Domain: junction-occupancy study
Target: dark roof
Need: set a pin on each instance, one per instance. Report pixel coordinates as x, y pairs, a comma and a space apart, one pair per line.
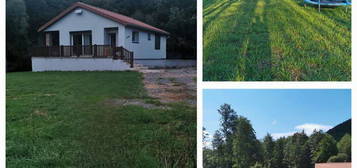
125, 20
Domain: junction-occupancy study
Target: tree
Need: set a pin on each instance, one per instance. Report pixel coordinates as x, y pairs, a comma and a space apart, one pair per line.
297, 152
246, 150
278, 154
344, 146
208, 158
204, 137
228, 119
314, 141
305, 160
341, 157
16, 35
327, 148
268, 145
218, 147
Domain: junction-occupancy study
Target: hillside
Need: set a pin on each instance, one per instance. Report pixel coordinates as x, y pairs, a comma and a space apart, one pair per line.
340, 130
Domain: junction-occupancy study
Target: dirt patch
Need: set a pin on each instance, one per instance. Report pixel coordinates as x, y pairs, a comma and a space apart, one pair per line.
134, 102
40, 113
171, 85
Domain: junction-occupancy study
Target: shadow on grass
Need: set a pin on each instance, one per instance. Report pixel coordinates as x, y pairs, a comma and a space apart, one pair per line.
218, 10
319, 47
244, 51
258, 66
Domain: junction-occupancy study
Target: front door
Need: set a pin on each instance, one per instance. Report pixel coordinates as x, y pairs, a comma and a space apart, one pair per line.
113, 39
77, 44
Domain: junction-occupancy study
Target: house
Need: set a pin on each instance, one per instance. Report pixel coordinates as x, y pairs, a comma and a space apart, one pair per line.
333, 165
84, 37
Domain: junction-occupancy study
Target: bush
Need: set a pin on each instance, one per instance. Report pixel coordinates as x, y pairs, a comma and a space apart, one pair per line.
341, 157
344, 146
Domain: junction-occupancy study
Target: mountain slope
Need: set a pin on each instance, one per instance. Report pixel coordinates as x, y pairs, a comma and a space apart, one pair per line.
340, 130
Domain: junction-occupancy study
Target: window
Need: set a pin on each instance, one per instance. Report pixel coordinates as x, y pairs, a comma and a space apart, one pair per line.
87, 38
149, 36
81, 42
157, 42
135, 37
52, 38
112, 39
111, 36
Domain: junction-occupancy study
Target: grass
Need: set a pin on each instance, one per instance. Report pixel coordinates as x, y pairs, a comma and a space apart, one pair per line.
275, 40
60, 119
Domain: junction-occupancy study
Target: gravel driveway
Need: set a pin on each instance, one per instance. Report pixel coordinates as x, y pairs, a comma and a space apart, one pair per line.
171, 85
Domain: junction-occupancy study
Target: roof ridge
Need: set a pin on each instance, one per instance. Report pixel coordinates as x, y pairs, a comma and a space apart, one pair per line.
123, 19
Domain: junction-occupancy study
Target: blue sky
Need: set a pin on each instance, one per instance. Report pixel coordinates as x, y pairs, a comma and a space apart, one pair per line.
280, 112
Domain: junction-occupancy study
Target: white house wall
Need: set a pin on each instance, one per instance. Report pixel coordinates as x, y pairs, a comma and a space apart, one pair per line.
83, 22
78, 64
145, 49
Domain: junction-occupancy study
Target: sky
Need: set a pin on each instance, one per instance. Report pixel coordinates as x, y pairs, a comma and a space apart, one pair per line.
280, 112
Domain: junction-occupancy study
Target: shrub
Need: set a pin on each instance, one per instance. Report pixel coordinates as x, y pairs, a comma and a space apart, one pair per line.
341, 157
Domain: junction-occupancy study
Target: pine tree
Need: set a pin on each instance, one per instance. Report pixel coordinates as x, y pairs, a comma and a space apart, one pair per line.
246, 150
297, 153
268, 145
313, 142
278, 154
218, 148
228, 117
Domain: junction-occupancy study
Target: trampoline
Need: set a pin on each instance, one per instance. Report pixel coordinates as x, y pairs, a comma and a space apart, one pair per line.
328, 3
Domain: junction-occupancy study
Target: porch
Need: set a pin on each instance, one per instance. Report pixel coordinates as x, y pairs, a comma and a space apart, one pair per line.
84, 51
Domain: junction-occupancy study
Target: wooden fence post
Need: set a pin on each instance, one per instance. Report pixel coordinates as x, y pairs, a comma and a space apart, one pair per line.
95, 50
70, 51
131, 59
61, 52
113, 52
121, 52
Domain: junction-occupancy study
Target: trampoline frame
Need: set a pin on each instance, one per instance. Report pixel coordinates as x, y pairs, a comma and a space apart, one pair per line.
328, 4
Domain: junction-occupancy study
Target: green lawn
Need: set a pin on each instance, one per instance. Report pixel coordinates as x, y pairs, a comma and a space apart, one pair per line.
263, 40
61, 119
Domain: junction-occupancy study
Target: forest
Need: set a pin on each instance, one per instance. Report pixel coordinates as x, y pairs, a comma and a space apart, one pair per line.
24, 17
235, 145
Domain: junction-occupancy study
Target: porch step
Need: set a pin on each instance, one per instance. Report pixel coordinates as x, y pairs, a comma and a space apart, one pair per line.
140, 67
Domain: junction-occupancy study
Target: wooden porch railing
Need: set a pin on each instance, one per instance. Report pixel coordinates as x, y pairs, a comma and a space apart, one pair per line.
88, 51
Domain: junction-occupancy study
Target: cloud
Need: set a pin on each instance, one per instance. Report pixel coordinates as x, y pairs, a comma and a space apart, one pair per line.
308, 128
274, 122
208, 142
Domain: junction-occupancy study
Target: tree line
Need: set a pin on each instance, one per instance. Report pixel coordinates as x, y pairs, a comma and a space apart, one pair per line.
24, 17
235, 145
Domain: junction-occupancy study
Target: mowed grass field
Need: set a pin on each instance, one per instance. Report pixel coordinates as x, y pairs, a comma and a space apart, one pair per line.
63, 119
280, 40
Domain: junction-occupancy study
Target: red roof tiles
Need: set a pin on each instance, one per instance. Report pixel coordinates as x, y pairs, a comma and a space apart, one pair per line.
333, 165
125, 20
